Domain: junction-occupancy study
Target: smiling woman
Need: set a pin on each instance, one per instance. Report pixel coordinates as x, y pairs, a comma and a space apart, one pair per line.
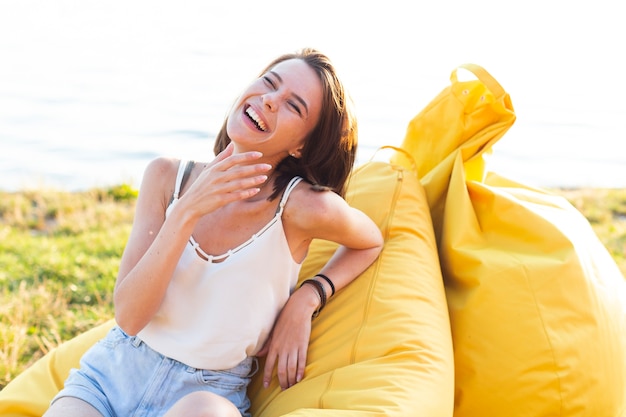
265, 197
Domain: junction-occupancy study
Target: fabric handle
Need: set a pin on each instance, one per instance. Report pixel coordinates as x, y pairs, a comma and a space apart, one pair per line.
483, 76
399, 150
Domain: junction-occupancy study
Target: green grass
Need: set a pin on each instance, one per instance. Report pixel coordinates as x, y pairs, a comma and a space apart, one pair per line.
59, 254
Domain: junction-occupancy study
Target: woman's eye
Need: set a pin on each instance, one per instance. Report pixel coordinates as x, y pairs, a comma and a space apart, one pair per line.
269, 82
295, 107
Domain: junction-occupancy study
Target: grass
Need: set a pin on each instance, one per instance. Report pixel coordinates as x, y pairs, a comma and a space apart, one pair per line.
605, 209
59, 254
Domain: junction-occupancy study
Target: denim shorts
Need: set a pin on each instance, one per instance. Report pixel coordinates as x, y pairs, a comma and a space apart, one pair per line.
122, 376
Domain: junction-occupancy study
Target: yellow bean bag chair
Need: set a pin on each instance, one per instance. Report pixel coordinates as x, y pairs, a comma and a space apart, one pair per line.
537, 305
381, 347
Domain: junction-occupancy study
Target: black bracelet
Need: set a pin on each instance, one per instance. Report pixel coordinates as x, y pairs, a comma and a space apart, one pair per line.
325, 278
319, 287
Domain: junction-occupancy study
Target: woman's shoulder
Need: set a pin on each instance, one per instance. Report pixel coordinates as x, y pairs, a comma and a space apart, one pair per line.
310, 205
160, 176
162, 165
164, 168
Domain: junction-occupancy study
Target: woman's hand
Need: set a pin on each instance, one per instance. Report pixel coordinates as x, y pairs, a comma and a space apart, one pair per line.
228, 178
287, 346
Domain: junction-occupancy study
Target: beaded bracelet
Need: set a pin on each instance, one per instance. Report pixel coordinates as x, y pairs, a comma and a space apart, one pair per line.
325, 278
319, 287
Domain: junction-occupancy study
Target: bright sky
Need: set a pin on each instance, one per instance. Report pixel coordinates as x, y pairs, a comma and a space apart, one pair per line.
561, 61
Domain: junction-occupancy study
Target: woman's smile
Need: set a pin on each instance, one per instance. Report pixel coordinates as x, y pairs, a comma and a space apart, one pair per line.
256, 119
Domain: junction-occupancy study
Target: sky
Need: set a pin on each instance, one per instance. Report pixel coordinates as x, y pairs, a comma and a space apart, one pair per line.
559, 60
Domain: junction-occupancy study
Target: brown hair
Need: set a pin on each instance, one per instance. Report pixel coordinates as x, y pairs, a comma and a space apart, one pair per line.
329, 150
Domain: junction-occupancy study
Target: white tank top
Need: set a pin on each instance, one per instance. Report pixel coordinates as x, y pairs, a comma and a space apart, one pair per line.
215, 314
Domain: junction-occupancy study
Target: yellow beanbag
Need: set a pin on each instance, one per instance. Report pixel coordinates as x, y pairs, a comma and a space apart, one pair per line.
382, 346
537, 305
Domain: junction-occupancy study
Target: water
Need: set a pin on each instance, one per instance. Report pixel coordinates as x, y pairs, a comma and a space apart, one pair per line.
91, 91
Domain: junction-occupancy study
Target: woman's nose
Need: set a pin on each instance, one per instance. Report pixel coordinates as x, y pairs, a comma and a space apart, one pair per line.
270, 101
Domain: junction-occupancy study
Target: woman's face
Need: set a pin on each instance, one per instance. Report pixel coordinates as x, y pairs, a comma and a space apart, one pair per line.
277, 111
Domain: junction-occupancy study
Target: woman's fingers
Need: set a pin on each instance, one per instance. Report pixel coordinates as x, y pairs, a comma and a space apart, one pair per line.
247, 175
228, 151
226, 159
285, 370
270, 361
290, 365
230, 177
238, 166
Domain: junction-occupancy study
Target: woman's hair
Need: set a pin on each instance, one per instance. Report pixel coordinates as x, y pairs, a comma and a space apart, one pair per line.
329, 150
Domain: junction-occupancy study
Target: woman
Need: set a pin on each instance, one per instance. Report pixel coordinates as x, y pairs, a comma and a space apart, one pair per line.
207, 280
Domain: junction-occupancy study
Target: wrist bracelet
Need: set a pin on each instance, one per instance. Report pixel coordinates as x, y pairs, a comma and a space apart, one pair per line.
319, 287
325, 278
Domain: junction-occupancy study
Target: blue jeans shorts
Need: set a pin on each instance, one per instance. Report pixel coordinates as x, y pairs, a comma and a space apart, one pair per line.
122, 376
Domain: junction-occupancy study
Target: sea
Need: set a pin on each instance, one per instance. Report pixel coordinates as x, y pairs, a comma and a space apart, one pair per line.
91, 91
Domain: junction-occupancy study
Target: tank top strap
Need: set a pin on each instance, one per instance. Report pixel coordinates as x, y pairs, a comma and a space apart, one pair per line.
184, 169
283, 200
179, 178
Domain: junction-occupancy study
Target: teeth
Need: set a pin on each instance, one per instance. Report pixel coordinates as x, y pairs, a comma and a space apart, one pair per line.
255, 117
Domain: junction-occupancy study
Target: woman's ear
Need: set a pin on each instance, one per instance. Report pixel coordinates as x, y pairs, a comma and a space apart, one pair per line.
296, 154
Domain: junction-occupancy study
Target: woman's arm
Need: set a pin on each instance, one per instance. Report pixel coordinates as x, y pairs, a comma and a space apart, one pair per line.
320, 216
156, 243
152, 250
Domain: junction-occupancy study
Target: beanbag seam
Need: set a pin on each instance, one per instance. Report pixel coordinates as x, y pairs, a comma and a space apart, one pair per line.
374, 281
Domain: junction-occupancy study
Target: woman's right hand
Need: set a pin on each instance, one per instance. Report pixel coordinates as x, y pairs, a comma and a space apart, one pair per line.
228, 178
